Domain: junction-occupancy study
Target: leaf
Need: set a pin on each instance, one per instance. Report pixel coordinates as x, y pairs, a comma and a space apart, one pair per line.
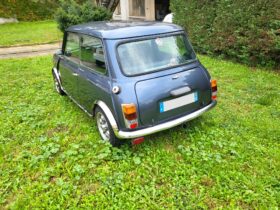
137, 160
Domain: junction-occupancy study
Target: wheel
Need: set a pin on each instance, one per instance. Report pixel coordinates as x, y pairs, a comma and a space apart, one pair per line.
105, 130
57, 85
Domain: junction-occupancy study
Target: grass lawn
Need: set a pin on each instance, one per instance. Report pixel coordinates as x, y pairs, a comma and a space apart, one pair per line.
27, 33
51, 155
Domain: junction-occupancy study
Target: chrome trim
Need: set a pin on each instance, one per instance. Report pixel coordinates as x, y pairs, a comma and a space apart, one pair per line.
81, 107
175, 77
109, 115
57, 75
180, 91
116, 89
147, 131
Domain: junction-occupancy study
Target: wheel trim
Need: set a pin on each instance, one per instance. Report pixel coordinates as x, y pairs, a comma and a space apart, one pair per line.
103, 126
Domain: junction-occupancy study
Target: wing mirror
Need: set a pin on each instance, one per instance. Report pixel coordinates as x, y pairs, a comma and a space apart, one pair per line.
68, 53
59, 52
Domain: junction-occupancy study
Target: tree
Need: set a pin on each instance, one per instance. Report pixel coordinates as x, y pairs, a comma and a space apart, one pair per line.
109, 4
71, 13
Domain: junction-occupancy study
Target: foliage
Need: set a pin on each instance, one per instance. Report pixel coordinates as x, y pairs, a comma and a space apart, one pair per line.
28, 10
109, 4
245, 30
72, 13
51, 156
26, 33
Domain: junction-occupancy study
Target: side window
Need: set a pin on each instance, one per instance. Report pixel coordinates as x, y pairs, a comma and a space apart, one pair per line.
72, 49
92, 54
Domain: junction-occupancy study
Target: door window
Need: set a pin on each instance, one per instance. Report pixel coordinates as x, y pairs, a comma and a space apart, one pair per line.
92, 54
72, 49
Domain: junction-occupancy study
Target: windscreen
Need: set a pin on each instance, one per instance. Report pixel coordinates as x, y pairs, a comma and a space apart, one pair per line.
144, 56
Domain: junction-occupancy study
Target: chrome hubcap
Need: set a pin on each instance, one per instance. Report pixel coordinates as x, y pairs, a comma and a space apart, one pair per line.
103, 126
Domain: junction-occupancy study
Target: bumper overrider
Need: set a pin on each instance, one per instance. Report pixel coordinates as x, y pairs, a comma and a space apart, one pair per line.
163, 126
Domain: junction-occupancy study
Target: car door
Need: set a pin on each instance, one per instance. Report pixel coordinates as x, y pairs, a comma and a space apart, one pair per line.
93, 80
69, 65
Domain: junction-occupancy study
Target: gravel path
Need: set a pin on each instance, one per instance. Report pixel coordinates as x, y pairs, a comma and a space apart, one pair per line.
28, 51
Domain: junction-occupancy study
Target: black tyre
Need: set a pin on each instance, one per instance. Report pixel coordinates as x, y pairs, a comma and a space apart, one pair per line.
57, 85
104, 128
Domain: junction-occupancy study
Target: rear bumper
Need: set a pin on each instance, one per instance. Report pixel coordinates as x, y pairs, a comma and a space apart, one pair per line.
147, 131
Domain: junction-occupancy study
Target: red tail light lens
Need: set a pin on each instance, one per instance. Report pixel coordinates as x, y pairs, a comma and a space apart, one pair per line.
133, 125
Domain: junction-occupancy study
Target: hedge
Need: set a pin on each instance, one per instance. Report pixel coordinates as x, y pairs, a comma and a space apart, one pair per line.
245, 30
28, 10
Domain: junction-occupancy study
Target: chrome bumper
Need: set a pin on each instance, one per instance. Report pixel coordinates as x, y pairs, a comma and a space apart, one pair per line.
146, 131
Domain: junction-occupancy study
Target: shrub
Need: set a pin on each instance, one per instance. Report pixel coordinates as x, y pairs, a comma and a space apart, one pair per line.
245, 30
72, 13
28, 10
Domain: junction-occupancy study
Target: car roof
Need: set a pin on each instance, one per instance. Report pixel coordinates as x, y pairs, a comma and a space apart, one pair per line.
124, 29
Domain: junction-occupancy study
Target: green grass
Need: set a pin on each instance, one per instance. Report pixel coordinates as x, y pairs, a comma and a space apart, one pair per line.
51, 155
27, 33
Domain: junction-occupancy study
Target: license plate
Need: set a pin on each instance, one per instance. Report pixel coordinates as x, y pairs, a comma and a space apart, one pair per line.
178, 102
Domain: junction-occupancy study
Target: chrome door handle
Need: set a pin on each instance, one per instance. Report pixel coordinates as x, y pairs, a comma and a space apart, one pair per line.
75, 74
180, 91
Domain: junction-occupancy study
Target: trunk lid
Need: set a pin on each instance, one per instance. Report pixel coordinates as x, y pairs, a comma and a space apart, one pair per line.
170, 96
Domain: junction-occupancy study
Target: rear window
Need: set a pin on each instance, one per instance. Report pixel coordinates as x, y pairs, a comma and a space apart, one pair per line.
144, 56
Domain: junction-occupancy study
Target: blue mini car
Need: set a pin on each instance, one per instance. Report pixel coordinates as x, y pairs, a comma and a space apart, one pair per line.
136, 78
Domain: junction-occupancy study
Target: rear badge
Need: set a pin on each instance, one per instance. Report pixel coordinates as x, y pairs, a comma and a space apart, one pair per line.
178, 102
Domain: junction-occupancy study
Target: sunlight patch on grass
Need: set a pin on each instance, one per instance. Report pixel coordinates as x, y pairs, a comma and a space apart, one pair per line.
29, 33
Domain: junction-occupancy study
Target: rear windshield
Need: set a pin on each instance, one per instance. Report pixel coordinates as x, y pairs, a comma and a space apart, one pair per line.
144, 56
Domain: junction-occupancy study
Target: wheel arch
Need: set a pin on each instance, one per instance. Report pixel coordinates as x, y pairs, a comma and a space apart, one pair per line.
102, 105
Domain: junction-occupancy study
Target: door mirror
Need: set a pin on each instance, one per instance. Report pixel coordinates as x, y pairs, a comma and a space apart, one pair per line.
68, 53
58, 52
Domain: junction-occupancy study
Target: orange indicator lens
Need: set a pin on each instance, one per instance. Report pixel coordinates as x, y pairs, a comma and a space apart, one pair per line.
128, 109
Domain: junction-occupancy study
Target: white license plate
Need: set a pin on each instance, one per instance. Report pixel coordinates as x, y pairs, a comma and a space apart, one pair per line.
178, 102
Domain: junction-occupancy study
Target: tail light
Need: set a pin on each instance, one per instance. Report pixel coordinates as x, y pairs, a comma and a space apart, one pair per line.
214, 89
130, 115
